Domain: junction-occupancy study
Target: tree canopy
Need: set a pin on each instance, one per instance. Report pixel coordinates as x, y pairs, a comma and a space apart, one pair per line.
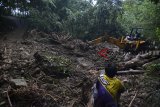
140, 13
84, 19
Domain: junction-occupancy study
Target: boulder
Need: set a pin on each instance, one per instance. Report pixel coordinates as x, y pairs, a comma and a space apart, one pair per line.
19, 82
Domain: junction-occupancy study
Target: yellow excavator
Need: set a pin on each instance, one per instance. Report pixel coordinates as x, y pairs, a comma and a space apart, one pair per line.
131, 42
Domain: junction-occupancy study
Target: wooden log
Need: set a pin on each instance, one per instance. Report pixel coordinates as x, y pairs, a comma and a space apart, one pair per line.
129, 72
136, 62
130, 104
145, 56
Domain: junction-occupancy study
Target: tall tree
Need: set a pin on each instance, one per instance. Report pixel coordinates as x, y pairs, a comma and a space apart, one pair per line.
140, 13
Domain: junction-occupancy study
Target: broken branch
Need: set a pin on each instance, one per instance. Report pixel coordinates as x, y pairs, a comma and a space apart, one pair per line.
9, 100
133, 99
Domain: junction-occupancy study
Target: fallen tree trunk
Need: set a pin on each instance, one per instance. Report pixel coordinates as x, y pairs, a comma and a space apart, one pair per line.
136, 62
129, 72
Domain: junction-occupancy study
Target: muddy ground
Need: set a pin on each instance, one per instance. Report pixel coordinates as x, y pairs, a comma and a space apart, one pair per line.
45, 85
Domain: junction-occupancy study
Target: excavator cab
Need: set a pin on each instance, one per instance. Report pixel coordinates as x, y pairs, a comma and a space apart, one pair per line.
136, 33
133, 41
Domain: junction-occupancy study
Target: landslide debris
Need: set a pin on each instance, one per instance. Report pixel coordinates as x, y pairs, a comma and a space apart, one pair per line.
56, 70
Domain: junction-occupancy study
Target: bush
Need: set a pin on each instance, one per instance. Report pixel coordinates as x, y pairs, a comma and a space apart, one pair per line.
153, 70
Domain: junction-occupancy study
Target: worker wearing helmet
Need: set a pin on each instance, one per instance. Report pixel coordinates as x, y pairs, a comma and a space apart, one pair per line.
108, 88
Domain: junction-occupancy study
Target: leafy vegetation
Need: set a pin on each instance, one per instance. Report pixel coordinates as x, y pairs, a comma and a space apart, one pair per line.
136, 14
78, 17
153, 69
85, 19
54, 65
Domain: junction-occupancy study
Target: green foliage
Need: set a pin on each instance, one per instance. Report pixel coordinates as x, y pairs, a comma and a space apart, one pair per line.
78, 17
6, 6
45, 20
60, 60
87, 21
42, 17
153, 69
158, 33
83, 19
155, 1
55, 65
140, 13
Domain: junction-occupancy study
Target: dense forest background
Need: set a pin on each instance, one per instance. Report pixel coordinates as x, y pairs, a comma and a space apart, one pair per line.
86, 19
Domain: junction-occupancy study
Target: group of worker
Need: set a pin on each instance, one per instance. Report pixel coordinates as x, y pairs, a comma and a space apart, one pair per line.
107, 88
136, 36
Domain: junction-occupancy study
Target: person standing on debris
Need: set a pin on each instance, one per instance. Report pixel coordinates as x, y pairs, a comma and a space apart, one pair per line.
108, 88
137, 36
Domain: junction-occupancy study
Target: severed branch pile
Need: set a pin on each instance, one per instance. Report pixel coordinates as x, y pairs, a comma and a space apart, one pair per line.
137, 62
